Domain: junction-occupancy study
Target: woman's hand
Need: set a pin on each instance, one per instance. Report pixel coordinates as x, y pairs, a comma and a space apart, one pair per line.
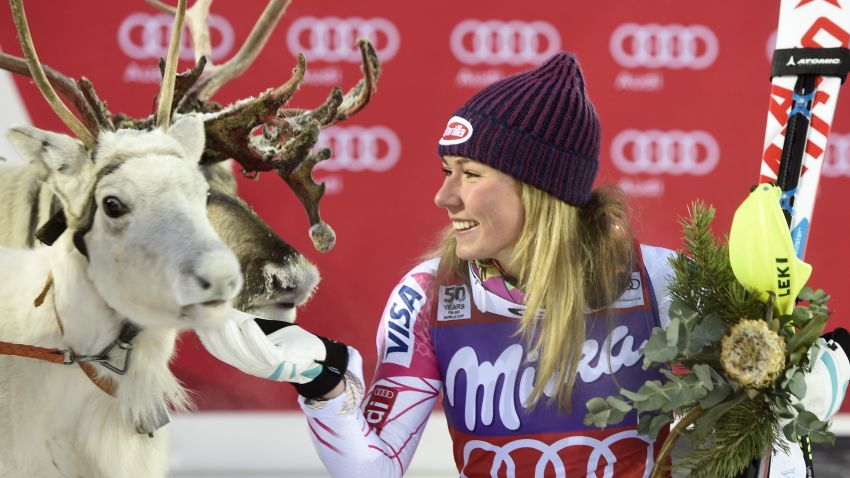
315, 365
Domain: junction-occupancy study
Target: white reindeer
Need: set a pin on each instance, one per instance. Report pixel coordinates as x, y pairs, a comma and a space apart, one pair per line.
153, 261
138, 261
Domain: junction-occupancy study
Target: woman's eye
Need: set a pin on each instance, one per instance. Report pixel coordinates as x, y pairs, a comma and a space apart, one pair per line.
113, 207
447, 172
471, 174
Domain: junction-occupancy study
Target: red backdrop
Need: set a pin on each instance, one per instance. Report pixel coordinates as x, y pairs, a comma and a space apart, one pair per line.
681, 88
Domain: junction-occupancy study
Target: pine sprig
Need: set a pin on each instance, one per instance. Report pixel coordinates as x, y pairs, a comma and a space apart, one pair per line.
704, 277
710, 457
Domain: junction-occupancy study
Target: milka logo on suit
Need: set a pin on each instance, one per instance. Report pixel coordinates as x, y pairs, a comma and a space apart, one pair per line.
400, 321
596, 360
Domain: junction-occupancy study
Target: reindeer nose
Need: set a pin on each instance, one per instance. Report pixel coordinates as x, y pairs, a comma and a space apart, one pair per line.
217, 273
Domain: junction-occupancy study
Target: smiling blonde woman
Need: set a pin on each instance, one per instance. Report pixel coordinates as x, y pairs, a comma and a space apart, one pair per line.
537, 299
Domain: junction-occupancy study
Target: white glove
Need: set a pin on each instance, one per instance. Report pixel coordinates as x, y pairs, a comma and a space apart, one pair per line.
289, 354
827, 382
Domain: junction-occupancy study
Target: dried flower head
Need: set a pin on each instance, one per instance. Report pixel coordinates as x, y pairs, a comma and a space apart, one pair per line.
752, 354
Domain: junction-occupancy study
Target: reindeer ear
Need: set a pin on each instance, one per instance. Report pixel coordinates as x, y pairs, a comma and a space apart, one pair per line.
189, 132
49, 152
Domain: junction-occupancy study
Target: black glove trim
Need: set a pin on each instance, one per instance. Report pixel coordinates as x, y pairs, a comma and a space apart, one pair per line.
841, 337
333, 370
268, 326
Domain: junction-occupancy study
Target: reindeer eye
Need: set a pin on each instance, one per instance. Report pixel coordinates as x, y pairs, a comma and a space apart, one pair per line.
114, 207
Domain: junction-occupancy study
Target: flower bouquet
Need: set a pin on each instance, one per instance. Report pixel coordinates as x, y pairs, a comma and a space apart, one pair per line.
741, 353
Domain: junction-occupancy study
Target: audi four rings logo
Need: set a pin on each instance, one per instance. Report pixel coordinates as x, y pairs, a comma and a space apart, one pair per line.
664, 46
672, 152
335, 39
836, 162
496, 42
142, 36
383, 392
359, 148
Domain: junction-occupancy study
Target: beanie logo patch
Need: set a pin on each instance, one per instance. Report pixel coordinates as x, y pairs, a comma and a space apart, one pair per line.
458, 130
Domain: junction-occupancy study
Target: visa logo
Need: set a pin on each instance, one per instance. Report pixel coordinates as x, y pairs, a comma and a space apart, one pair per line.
400, 319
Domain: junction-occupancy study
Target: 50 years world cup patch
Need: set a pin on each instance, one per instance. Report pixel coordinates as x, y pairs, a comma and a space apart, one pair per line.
453, 303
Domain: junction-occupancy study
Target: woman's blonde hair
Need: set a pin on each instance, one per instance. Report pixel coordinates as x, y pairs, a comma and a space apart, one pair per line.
570, 260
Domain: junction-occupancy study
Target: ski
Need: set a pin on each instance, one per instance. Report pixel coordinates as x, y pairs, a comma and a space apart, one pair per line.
809, 65
808, 68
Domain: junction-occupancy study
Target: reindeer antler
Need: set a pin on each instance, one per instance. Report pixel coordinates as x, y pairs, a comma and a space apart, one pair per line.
166, 90
67, 87
41, 81
262, 135
259, 133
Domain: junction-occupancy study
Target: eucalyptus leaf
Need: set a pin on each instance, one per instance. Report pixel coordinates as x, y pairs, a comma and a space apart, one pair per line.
812, 353
657, 349
672, 333
806, 336
801, 316
680, 311
797, 385
633, 396
806, 293
808, 422
719, 393
599, 413
618, 404
615, 416
790, 431
805, 423
657, 423
707, 420
782, 403
597, 404
679, 396
711, 327
656, 397
656, 387
703, 373
796, 356
820, 297
819, 436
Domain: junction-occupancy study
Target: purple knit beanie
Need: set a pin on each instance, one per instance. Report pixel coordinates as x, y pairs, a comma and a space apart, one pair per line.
538, 126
